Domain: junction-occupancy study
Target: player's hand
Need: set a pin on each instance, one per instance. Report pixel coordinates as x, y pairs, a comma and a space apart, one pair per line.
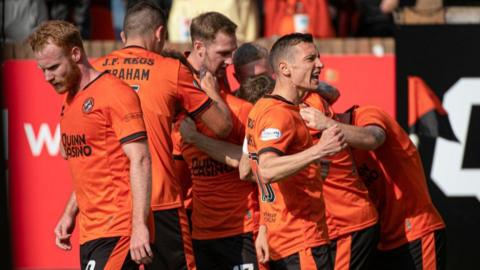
315, 119
261, 245
140, 249
332, 141
188, 130
208, 82
63, 231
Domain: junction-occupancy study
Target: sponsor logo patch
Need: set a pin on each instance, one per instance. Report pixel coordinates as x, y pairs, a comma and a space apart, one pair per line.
269, 134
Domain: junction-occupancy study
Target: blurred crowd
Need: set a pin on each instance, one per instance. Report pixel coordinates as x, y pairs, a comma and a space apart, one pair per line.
102, 19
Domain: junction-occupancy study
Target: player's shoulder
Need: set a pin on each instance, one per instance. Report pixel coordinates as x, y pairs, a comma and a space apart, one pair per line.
271, 109
315, 100
236, 103
314, 97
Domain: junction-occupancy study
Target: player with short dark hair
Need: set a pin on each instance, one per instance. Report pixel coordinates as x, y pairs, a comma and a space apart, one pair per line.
285, 161
104, 141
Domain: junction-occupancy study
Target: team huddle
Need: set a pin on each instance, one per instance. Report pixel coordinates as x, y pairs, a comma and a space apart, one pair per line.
183, 172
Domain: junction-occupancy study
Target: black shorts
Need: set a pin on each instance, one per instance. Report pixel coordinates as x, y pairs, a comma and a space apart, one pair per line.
311, 258
355, 250
428, 252
172, 248
109, 253
229, 253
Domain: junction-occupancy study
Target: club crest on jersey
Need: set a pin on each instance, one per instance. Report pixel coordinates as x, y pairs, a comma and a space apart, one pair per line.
88, 105
269, 134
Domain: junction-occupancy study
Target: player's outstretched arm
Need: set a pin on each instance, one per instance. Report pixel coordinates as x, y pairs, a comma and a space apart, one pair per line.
221, 151
217, 117
273, 168
65, 226
366, 138
141, 186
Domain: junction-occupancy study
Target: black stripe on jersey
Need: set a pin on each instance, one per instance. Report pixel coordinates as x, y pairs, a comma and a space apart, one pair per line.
271, 149
178, 157
134, 137
204, 106
277, 97
94, 80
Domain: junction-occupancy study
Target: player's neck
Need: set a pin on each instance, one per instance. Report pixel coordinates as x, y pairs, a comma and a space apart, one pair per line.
89, 74
138, 42
195, 60
287, 91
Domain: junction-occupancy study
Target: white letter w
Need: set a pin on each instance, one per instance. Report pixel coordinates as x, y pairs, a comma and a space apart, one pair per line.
44, 137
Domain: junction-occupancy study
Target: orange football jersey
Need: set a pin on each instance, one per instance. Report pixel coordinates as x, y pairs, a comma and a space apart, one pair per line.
222, 204
94, 125
165, 88
292, 209
396, 180
347, 203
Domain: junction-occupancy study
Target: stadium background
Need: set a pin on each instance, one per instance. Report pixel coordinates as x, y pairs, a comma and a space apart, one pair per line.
366, 70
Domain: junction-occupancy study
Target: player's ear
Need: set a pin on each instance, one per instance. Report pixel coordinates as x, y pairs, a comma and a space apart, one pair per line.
199, 46
284, 69
123, 37
159, 33
76, 54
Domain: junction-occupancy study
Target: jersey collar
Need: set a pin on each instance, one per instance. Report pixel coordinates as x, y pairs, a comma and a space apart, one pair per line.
277, 97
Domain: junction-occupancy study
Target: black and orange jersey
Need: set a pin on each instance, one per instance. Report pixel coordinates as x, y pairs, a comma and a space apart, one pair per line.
165, 87
396, 180
94, 125
347, 203
222, 204
292, 209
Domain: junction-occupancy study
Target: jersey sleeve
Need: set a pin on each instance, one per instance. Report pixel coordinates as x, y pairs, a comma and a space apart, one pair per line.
367, 116
191, 97
126, 115
274, 132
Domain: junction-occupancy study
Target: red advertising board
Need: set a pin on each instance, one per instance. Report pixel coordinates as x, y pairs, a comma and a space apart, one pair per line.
40, 181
